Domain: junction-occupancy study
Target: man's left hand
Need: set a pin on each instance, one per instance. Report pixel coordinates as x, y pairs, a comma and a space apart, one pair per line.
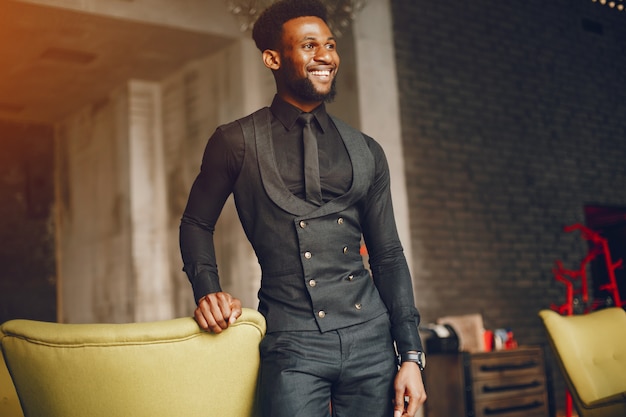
408, 383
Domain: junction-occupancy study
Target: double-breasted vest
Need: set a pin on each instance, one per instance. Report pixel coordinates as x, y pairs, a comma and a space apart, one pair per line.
313, 277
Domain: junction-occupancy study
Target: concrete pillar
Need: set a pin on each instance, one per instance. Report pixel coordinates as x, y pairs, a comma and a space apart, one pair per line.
112, 210
148, 205
379, 102
379, 105
92, 213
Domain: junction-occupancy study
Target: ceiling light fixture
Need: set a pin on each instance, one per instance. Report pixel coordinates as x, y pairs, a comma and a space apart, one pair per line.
613, 4
341, 13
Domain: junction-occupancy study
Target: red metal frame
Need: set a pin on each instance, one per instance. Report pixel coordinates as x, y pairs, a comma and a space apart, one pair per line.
599, 247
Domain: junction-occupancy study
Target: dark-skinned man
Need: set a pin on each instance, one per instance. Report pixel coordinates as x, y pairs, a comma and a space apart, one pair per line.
335, 332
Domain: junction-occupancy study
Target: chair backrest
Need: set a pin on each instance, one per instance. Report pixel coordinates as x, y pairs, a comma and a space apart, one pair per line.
591, 352
167, 368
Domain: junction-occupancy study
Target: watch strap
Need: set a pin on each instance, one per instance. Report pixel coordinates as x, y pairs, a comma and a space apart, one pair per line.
417, 357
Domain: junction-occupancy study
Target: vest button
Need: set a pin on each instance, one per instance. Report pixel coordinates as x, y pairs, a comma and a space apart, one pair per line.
307, 255
358, 306
350, 277
321, 314
340, 220
345, 249
312, 283
302, 224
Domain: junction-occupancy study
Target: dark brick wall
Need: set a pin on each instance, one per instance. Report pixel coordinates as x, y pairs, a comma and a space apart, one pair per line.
27, 243
513, 120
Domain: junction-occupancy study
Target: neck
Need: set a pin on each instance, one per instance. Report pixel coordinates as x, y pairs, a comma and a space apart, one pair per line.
305, 106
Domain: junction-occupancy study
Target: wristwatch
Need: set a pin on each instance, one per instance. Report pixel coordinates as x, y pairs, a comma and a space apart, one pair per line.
418, 357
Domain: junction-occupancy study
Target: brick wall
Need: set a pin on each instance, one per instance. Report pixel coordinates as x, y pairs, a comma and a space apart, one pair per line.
512, 118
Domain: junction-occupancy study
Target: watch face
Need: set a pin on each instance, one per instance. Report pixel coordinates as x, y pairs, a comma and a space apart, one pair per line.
421, 360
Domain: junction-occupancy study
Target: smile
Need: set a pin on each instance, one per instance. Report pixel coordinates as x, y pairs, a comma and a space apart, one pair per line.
320, 73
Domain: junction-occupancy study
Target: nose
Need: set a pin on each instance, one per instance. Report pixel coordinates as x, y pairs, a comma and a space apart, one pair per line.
323, 55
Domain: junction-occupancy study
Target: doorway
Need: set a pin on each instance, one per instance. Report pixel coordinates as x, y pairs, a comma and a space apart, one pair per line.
27, 237
610, 223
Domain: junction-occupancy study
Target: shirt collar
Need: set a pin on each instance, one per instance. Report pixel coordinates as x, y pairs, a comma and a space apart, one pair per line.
288, 114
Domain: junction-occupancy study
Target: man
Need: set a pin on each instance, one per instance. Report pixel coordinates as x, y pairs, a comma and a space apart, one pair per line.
331, 326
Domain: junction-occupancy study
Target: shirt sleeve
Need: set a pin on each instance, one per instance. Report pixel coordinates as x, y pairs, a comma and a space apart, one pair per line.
221, 164
387, 261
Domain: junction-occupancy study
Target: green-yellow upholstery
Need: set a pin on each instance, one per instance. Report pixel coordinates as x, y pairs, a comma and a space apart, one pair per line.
9, 403
167, 368
590, 350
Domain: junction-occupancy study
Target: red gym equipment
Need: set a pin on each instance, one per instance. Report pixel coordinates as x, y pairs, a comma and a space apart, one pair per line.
598, 246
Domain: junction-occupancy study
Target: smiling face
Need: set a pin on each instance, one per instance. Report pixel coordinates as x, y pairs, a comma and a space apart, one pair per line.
306, 64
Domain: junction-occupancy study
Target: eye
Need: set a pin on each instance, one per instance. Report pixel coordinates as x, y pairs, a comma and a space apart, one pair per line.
308, 46
331, 46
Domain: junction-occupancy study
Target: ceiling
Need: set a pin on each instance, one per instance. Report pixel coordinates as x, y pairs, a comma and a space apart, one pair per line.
54, 61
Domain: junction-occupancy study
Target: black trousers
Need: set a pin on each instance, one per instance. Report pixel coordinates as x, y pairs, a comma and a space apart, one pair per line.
344, 373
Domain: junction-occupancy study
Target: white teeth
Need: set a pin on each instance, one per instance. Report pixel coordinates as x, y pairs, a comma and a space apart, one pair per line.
325, 73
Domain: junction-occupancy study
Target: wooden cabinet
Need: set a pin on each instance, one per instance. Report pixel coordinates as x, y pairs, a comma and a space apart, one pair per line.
508, 383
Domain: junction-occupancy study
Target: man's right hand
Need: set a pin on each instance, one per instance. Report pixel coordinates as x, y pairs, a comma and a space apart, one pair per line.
217, 311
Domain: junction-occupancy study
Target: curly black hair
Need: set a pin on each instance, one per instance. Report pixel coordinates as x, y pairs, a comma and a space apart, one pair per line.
268, 29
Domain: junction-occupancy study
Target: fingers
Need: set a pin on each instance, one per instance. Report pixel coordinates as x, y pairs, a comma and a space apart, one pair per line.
415, 402
402, 409
398, 408
197, 314
216, 311
235, 310
208, 318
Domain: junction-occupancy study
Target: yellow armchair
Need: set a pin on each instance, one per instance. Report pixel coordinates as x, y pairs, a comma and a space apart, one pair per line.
590, 350
167, 368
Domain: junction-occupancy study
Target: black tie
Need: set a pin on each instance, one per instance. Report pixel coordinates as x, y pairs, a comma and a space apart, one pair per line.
311, 161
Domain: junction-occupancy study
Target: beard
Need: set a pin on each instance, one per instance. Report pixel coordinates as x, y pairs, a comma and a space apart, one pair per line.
304, 88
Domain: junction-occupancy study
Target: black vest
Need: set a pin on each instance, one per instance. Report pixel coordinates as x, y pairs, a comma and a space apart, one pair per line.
313, 277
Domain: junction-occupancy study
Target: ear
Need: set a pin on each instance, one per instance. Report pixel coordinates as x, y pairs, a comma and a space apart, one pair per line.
271, 59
